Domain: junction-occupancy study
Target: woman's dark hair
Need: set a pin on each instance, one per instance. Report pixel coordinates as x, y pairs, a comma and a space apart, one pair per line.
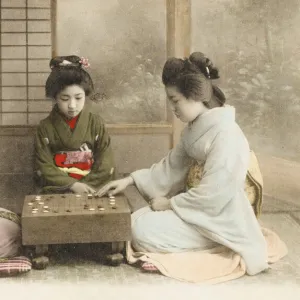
66, 71
192, 77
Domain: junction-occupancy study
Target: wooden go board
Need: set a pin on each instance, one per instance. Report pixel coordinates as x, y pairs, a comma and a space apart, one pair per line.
70, 218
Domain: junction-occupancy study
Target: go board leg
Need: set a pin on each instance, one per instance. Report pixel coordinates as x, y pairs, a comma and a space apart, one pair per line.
117, 247
116, 257
41, 250
40, 261
29, 251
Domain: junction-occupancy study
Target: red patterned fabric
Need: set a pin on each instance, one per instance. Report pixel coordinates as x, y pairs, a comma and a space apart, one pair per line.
72, 122
82, 160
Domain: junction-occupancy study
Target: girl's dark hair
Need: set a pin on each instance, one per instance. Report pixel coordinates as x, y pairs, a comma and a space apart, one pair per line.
192, 77
66, 71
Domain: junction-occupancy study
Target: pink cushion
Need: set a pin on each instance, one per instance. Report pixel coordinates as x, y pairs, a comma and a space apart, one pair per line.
14, 266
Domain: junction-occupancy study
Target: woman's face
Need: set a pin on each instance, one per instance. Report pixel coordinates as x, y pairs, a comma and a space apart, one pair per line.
71, 101
187, 110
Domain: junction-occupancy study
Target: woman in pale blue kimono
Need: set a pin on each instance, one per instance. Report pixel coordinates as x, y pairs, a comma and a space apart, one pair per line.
217, 211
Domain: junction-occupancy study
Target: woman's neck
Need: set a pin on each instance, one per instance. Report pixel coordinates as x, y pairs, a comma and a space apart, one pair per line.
212, 103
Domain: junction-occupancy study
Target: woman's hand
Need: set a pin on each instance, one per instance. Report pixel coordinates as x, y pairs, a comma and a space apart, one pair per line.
81, 188
160, 204
115, 186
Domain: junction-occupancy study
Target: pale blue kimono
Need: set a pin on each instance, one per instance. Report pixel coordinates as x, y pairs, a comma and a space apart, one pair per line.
215, 212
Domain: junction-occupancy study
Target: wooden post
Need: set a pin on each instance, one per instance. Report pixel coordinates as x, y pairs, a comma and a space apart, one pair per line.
53, 27
178, 44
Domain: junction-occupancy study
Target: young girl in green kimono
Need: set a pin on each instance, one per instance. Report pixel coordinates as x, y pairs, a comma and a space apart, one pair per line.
216, 211
72, 147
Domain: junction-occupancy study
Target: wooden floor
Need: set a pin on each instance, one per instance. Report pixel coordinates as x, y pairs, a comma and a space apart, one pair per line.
73, 272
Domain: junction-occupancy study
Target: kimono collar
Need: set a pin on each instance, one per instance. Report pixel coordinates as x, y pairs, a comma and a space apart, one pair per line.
219, 116
72, 122
68, 137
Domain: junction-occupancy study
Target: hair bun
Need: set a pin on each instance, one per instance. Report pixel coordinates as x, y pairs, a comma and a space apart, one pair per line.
65, 61
172, 68
205, 65
220, 96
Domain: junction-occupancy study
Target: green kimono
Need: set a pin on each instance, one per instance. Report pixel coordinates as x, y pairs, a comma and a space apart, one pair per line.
54, 136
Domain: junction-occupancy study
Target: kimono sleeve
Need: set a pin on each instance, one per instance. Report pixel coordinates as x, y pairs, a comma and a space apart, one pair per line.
45, 166
224, 174
103, 169
165, 177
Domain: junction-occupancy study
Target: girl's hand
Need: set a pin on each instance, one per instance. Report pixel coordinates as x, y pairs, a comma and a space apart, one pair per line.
160, 204
81, 188
115, 186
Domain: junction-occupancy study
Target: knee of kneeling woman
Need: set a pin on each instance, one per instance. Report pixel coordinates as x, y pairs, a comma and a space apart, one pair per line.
10, 238
137, 232
140, 240
141, 232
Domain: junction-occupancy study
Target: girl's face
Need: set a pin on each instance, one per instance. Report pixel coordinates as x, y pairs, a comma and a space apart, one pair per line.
187, 110
71, 101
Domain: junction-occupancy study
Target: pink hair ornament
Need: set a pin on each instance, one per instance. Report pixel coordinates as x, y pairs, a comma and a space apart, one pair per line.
84, 62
